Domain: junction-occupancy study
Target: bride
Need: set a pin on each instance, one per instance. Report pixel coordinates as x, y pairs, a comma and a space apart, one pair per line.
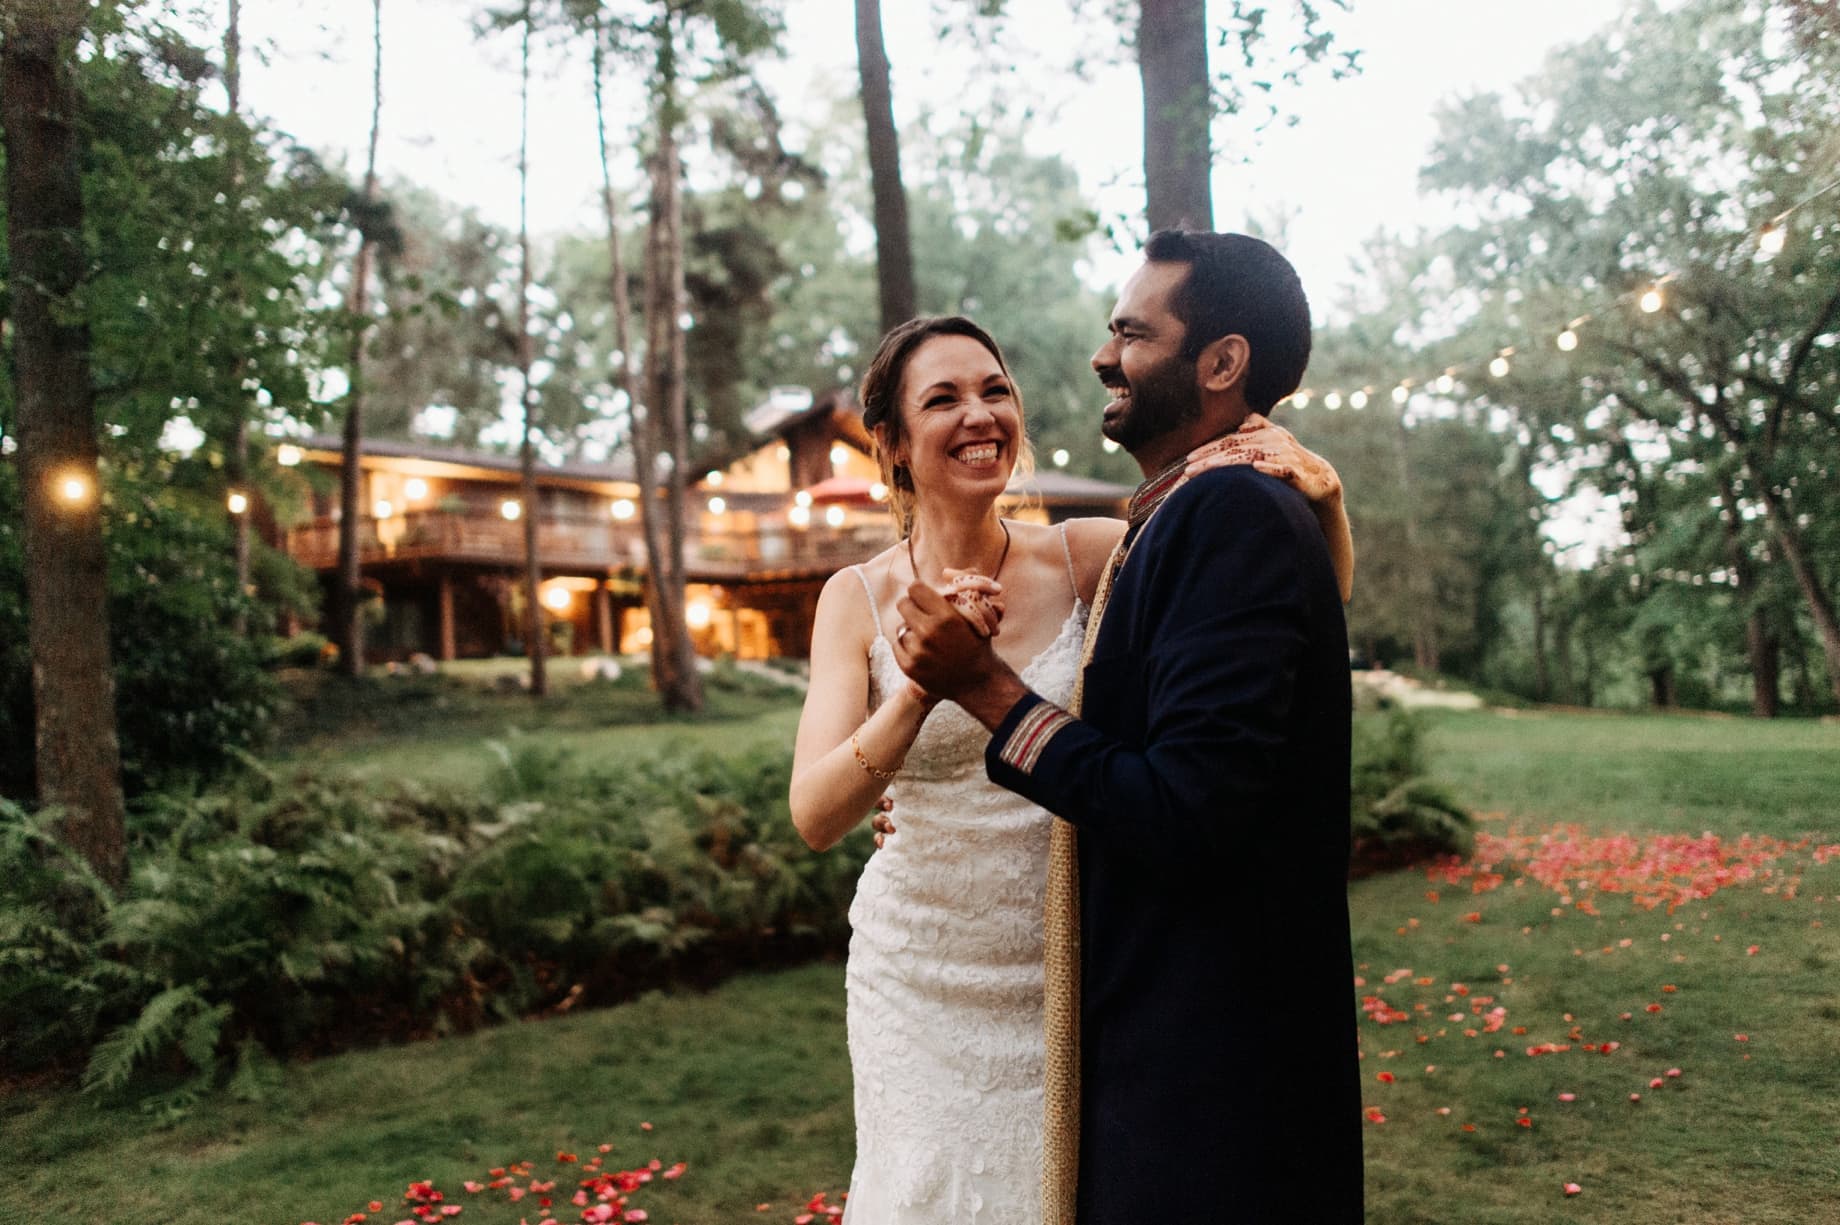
944, 980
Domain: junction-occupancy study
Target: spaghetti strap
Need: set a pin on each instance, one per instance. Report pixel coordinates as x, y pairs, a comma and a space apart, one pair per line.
1067, 552
875, 613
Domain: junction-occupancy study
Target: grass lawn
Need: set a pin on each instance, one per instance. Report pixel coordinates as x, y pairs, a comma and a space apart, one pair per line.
441, 729
1543, 944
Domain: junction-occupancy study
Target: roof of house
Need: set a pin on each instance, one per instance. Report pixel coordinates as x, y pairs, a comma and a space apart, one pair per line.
617, 469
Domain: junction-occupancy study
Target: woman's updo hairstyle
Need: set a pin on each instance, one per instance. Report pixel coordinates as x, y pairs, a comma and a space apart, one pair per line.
880, 394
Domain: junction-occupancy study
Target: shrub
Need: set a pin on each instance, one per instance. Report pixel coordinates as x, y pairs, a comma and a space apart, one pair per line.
1397, 814
286, 916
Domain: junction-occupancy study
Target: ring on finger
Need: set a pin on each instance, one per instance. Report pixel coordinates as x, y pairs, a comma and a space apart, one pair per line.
901, 633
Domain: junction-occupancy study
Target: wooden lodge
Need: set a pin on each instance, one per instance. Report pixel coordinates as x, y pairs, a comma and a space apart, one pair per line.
443, 543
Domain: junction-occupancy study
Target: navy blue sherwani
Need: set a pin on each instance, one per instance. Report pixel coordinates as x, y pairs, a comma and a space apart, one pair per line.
1208, 782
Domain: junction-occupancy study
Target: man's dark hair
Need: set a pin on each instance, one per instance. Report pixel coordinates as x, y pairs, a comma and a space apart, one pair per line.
1238, 285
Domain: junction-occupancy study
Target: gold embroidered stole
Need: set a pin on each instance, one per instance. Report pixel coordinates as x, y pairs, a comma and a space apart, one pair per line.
1060, 1154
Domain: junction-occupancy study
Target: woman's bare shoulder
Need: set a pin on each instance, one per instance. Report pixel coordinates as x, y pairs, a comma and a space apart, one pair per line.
1091, 542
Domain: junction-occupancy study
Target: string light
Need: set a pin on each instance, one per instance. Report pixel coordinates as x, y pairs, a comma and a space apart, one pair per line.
556, 599
415, 489
288, 455
75, 488
510, 509
238, 502
718, 506
1061, 457
799, 517
1770, 238
622, 509
803, 498
834, 516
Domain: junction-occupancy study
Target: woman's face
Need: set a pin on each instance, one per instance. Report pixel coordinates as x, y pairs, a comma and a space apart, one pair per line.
961, 424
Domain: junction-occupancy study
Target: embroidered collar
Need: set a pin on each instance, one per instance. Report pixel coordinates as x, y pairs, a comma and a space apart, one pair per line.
1151, 494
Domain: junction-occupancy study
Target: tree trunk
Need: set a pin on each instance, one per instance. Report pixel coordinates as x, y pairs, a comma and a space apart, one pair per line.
1820, 605
894, 255
1542, 674
350, 611
1760, 644
673, 657
77, 755
1172, 58
536, 636
236, 460
644, 448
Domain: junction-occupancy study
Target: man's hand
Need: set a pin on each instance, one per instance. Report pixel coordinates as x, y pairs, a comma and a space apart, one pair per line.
942, 651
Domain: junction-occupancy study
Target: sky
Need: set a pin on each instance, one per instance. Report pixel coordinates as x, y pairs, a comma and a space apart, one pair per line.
1348, 167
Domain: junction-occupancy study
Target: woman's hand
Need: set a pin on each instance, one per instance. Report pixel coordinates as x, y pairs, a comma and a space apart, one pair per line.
1275, 451
881, 822
978, 600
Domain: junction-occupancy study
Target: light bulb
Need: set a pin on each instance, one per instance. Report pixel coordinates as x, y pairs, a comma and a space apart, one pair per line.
1568, 340
718, 506
1401, 394
834, 516
799, 516
1301, 399
1061, 456
1651, 301
1499, 367
1358, 400
623, 509
1332, 401
415, 489
510, 509
1446, 384
1770, 241
238, 502
287, 455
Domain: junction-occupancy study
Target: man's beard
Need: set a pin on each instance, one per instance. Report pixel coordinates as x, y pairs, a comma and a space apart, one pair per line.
1161, 402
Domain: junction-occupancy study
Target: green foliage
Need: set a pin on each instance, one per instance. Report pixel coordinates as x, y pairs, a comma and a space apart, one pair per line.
284, 916
1398, 814
190, 693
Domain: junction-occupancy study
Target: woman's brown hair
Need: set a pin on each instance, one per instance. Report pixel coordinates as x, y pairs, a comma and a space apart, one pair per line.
881, 400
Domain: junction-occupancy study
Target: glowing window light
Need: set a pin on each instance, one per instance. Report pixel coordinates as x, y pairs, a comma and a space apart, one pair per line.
802, 497
1771, 239
878, 492
511, 509
1358, 400
288, 455
1332, 401
623, 509
697, 615
381, 509
557, 599
1499, 367
718, 506
1568, 340
1061, 456
834, 516
799, 516
238, 502
415, 489
1651, 300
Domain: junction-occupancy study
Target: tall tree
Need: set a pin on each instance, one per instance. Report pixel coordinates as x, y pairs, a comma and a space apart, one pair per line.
536, 636
673, 662
1728, 369
674, 668
78, 755
349, 620
894, 254
236, 455
1172, 59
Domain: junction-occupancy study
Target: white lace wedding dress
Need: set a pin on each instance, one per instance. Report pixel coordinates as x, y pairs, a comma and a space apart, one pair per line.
945, 976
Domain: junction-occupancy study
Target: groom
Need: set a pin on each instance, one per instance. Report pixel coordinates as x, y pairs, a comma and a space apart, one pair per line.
1208, 1070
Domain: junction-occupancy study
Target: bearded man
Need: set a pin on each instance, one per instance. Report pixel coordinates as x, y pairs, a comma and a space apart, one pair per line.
1201, 1040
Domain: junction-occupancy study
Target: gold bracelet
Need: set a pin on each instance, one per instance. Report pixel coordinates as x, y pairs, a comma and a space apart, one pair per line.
862, 761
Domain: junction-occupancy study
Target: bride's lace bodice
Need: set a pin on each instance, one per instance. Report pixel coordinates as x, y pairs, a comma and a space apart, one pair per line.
945, 976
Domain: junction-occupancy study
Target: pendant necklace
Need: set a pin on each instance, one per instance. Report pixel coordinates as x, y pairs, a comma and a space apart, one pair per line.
1001, 557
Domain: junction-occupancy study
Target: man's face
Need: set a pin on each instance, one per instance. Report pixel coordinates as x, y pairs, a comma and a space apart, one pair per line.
1155, 388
